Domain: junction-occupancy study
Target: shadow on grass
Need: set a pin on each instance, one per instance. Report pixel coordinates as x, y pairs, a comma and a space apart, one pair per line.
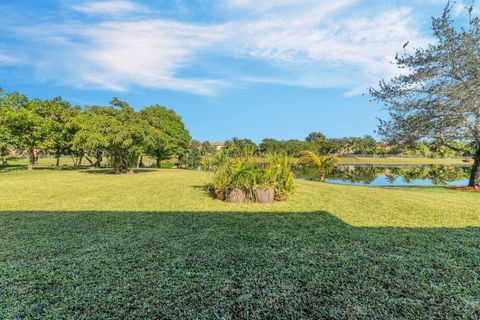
19, 167
232, 265
85, 169
9, 168
112, 172
207, 190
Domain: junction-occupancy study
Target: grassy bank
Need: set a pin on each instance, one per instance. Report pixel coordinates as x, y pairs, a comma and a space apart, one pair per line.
155, 245
405, 161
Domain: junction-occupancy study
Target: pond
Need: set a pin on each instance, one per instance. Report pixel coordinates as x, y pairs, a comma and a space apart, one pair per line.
394, 175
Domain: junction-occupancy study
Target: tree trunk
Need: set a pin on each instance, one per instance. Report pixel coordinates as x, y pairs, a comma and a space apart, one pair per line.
3, 155
57, 164
475, 174
140, 162
31, 158
89, 161
159, 162
98, 161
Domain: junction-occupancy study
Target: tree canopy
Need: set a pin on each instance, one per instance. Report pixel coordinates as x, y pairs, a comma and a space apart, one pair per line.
116, 132
27, 120
167, 136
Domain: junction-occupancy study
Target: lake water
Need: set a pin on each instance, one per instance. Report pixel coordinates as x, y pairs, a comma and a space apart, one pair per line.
394, 175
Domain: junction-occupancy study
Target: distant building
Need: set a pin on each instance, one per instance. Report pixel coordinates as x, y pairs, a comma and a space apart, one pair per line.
217, 145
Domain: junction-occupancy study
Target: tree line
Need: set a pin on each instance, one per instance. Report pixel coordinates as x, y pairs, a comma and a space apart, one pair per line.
320, 144
115, 133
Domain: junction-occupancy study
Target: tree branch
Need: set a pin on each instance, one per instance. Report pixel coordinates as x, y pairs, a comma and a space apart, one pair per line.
448, 145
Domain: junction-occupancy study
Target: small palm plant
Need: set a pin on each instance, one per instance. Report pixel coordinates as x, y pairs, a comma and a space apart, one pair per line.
285, 179
324, 164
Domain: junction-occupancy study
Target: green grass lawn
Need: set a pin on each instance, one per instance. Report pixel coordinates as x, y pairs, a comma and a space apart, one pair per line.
86, 244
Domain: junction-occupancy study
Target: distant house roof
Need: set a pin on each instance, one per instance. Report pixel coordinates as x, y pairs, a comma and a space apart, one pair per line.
218, 144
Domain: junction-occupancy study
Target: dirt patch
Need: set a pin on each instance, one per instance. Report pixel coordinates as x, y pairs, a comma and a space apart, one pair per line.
474, 189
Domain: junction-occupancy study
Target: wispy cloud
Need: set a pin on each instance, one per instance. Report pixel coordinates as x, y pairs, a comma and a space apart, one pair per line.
309, 43
115, 55
318, 48
114, 7
8, 59
282, 5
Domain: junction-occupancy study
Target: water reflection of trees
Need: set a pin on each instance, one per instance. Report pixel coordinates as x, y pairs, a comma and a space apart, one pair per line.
437, 174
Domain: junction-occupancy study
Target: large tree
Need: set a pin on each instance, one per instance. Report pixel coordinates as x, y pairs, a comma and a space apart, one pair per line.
167, 135
7, 141
61, 127
438, 98
239, 147
26, 120
116, 130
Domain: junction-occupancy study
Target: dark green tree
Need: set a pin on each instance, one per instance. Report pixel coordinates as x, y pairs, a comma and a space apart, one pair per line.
117, 130
167, 135
316, 137
26, 120
61, 127
191, 158
272, 146
239, 147
7, 141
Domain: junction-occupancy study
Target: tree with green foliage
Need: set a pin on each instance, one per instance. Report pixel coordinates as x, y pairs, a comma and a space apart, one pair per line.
206, 148
239, 147
26, 120
438, 98
61, 127
191, 158
316, 137
167, 135
117, 130
84, 143
360, 145
269, 145
7, 141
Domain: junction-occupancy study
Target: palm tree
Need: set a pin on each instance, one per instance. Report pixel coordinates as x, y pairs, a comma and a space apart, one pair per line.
324, 164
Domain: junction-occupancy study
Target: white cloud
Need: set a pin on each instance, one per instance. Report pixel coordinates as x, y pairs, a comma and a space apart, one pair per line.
319, 50
116, 55
8, 59
269, 5
113, 7
147, 53
313, 44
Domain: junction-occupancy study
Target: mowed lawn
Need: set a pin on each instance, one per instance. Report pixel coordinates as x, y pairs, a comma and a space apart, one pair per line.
86, 244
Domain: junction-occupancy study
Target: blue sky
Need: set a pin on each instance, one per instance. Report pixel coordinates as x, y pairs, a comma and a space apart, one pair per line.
244, 68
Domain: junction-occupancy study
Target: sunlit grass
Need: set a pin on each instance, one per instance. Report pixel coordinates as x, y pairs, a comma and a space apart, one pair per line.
182, 190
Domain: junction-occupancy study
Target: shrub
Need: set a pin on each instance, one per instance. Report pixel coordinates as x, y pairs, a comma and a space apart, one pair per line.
247, 174
285, 179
